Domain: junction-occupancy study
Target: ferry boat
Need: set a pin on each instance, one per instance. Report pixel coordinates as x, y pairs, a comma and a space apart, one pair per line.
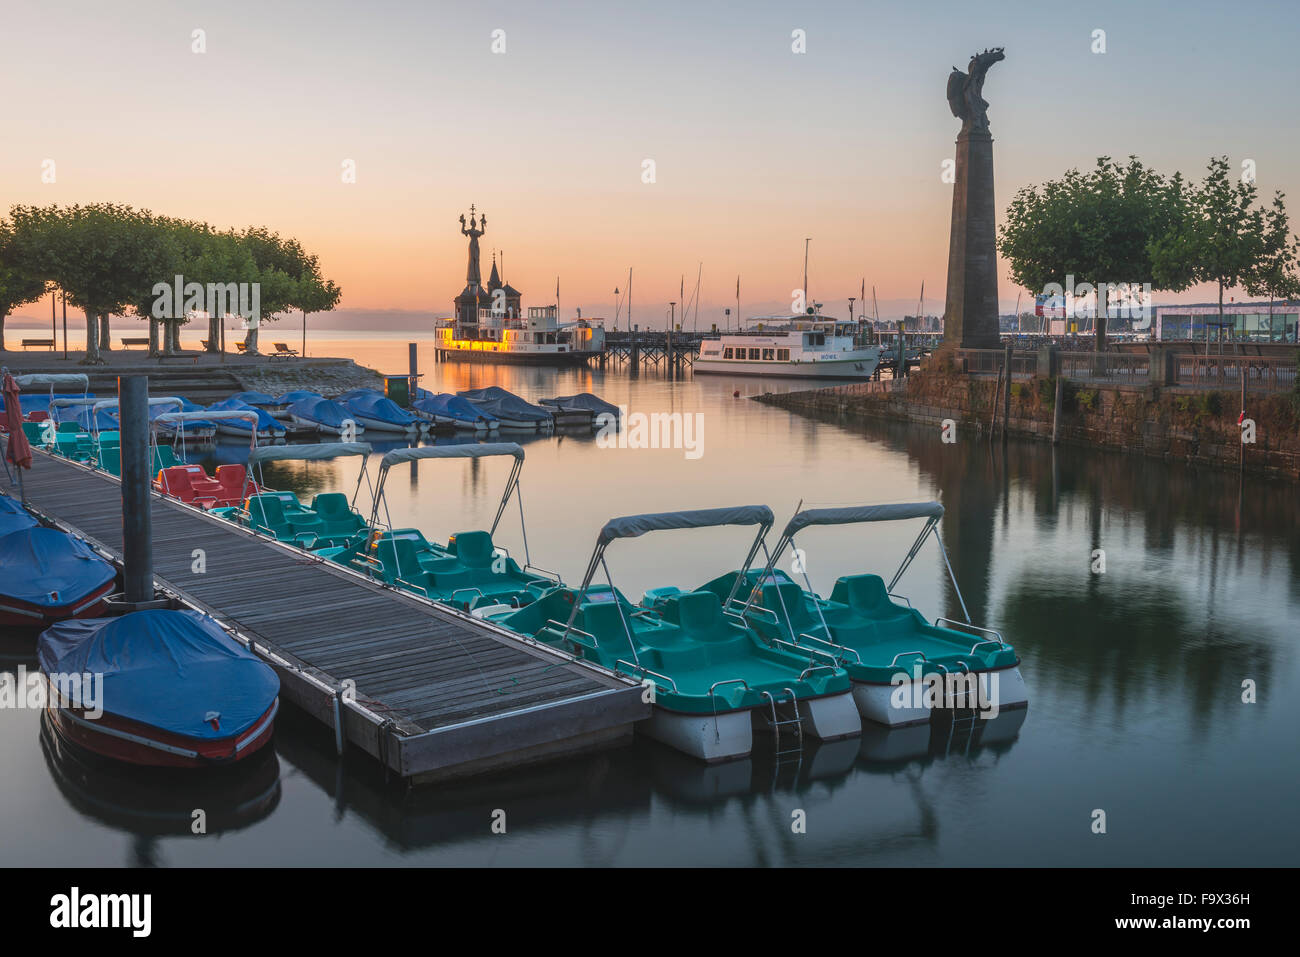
808, 346
538, 338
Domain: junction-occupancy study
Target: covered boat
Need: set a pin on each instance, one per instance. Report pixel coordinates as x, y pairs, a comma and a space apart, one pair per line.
176, 690
46, 575
13, 516
381, 414
281, 408
322, 415
714, 676
510, 410
446, 409
582, 409
269, 428
192, 428
891, 653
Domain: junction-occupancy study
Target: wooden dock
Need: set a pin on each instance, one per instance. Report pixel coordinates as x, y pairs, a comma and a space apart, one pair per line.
427, 691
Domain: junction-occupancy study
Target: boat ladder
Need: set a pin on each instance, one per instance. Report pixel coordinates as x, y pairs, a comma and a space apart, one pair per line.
780, 725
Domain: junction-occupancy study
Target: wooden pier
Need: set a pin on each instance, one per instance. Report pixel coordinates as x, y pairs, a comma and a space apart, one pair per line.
427, 691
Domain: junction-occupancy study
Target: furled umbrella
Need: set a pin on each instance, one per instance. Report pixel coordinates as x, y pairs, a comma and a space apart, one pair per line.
17, 450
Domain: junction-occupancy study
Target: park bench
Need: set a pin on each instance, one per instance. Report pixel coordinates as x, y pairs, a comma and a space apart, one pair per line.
128, 343
206, 343
43, 343
282, 351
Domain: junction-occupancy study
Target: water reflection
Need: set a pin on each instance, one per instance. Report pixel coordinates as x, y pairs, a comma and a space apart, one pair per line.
595, 803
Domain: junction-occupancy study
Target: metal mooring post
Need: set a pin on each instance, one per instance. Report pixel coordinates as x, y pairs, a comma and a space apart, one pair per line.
137, 532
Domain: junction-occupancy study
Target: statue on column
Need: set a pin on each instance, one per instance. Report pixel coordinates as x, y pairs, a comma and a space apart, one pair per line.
965, 91
475, 230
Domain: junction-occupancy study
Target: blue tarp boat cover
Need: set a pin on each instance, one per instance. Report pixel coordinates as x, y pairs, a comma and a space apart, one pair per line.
254, 398
186, 406
505, 405
453, 407
13, 516
40, 401
297, 396
266, 422
44, 567
353, 393
321, 411
103, 420
171, 670
375, 406
583, 401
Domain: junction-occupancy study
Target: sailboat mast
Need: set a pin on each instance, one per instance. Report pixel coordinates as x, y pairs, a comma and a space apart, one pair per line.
805, 271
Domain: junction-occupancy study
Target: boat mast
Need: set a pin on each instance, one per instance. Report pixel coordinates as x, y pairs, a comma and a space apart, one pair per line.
695, 322
629, 298
805, 271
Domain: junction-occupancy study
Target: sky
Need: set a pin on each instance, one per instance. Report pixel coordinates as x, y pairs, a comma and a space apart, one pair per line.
755, 147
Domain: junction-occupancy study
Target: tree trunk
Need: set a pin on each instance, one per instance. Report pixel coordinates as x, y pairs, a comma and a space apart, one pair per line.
169, 336
1207, 349
3, 316
153, 337
92, 340
251, 339
1101, 313
105, 334
214, 334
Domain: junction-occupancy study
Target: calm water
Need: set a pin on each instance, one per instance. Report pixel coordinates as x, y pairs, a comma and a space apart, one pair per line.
1134, 675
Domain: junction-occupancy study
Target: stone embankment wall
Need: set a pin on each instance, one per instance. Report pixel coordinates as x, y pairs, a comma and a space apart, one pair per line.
1197, 427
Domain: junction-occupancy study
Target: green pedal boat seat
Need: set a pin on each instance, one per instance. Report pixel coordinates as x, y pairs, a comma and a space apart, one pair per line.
266, 514
337, 518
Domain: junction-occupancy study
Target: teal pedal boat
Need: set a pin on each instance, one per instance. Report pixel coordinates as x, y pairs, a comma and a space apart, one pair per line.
715, 679
901, 665
330, 522
471, 571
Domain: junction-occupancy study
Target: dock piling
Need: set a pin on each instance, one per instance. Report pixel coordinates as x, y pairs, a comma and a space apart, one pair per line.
137, 532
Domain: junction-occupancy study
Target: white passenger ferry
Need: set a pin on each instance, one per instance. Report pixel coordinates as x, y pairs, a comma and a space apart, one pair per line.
535, 339
809, 346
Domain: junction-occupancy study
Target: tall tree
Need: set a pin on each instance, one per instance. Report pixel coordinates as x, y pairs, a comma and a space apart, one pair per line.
101, 255
282, 265
1223, 240
1275, 272
1097, 226
17, 288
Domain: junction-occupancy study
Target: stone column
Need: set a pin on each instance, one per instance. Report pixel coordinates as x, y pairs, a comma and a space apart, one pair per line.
971, 314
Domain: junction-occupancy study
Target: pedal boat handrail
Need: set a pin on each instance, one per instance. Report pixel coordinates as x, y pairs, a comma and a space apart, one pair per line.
634, 526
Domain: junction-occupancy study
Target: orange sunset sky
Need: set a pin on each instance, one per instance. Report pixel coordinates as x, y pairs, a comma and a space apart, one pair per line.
755, 146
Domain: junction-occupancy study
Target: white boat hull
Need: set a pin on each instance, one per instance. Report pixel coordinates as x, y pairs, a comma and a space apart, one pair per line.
732, 736
876, 702
263, 435
309, 425
379, 425
828, 718
858, 368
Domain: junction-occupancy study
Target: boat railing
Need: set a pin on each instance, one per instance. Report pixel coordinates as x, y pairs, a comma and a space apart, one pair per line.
841, 649
904, 654
566, 632
636, 666
900, 597
949, 622
546, 572
815, 668
798, 647
469, 590
402, 582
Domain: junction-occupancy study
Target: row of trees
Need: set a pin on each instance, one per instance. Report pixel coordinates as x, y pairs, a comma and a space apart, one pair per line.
108, 259
1130, 224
